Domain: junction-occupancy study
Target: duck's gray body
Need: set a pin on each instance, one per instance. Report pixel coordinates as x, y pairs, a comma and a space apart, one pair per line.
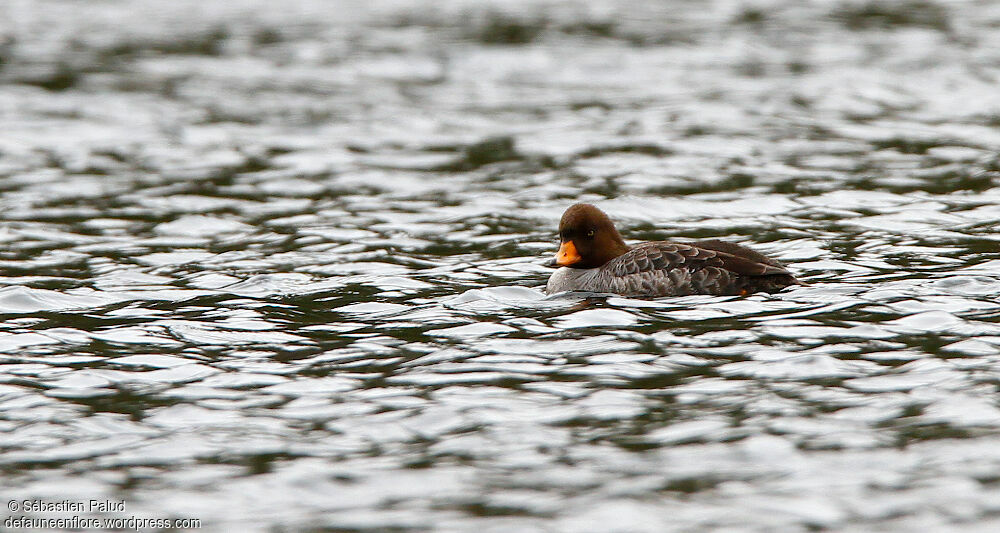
667, 268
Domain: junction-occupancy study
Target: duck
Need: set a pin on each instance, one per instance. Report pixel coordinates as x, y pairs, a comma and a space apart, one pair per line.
593, 257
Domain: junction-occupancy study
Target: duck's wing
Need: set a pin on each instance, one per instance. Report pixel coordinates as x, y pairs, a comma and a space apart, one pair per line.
702, 267
740, 251
661, 256
742, 260
667, 255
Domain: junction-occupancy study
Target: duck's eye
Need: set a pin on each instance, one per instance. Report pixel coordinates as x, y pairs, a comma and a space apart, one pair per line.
590, 233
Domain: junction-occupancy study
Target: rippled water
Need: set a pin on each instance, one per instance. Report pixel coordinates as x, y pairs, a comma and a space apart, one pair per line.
277, 266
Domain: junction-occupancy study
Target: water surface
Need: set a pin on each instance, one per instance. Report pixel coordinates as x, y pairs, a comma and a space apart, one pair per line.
277, 266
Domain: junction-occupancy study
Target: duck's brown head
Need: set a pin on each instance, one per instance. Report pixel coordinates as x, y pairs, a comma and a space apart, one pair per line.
589, 238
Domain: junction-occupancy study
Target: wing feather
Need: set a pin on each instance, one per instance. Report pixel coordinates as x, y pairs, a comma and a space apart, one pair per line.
702, 267
663, 256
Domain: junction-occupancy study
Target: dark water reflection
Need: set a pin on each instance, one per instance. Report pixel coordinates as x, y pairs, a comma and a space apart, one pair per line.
277, 266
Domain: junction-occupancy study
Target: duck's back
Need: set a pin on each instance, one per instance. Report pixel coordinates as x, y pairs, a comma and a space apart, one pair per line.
666, 268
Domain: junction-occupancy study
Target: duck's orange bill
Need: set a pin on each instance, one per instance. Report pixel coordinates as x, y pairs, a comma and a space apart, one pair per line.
567, 254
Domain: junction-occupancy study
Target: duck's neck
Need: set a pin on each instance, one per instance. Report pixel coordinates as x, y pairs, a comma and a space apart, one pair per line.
613, 247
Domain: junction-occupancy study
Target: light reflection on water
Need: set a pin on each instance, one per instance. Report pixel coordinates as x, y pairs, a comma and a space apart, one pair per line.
284, 271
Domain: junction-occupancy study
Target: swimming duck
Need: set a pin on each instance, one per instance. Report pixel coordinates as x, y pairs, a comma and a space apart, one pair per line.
595, 258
